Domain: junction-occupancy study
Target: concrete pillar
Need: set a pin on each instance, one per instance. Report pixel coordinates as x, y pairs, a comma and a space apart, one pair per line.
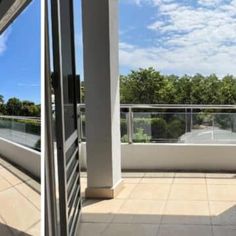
101, 71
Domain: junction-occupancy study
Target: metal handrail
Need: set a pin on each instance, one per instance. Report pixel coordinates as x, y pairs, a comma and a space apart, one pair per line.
173, 106
21, 117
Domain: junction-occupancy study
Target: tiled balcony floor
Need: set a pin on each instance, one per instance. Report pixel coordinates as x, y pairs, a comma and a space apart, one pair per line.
19, 202
165, 204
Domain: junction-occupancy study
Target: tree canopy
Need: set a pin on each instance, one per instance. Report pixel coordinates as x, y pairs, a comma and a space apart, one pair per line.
148, 86
16, 107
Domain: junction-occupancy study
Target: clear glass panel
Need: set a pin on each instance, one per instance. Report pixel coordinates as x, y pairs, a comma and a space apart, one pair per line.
124, 127
158, 127
21, 130
176, 126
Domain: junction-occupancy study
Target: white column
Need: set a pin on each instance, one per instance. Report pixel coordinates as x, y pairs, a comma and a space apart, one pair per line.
101, 71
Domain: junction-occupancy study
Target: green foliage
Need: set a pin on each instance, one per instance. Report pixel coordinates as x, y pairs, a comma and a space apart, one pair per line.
148, 86
154, 129
16, 107
13, 107
175, 129
159, 128
141, 137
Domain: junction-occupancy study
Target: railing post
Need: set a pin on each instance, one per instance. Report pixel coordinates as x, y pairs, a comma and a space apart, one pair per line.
79, 121
186, 120
213, 127
130, 126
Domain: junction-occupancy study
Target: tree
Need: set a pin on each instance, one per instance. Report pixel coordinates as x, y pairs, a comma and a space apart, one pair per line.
228, 90
14, 106
143, 86
147, 86
2, 105
1, 99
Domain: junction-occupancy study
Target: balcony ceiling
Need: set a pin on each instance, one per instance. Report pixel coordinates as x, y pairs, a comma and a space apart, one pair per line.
9, 10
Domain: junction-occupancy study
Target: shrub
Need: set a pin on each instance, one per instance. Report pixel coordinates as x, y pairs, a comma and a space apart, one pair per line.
141, 137
159, 128
175, 128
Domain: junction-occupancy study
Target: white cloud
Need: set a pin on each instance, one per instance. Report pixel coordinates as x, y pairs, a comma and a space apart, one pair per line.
190, 39
3, 42
210, 2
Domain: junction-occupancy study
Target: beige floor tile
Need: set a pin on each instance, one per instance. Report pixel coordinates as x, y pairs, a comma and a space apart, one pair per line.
151, 191
18, 173
159, 175
224, 231
223, 213
126, 191
140, 211
186, 212
189, 180
30, 194
190, 192
11, 178
156, 180
4, 184
185, 230
130, 230
100, 211
91, 229
222, 192
16, 211
132, 180
34, 230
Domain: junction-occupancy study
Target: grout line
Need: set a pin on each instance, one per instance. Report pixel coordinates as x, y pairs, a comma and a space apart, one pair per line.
32, 226
165, 205
27, 198
209, 208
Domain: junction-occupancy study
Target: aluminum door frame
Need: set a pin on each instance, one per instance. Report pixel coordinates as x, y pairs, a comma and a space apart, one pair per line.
68, 168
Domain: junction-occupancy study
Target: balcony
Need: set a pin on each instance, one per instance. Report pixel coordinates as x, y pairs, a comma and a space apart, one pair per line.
20, 137
174, 137
19, 175
164, 204
186, 181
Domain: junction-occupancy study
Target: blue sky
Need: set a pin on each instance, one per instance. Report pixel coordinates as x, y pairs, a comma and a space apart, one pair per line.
20, 56
175, 36
178, 36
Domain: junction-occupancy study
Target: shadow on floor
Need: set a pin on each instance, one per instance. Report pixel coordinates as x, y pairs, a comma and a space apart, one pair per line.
10, 231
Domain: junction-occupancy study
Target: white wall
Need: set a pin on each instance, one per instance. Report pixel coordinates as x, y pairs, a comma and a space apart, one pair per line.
175, 157
24, 157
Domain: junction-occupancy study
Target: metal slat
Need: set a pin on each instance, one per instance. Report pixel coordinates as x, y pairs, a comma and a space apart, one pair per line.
71, 159
72, 174
74, 202
71, 140
70, 194
74, 219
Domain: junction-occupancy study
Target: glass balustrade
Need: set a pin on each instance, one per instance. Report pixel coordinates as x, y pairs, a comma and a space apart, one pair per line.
21, 130
193, 124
